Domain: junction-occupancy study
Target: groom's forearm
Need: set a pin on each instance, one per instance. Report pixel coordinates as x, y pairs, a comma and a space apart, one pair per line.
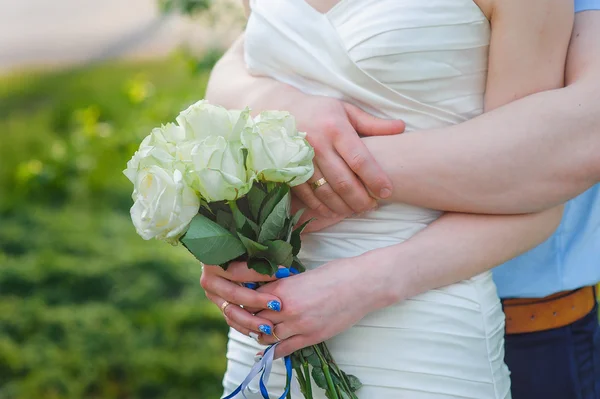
529, 155
454, 248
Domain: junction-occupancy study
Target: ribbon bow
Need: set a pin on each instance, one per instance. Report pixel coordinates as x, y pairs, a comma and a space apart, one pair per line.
264, 366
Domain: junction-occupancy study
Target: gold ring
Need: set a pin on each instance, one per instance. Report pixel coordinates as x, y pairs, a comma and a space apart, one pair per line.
319, 183
275, 336
224, 306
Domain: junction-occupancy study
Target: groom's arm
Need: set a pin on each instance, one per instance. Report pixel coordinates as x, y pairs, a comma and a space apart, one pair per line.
526, 156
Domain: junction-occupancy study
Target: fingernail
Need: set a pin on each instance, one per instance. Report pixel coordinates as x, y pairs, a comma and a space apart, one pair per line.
251, 286
265, 329
274, 305
282, 273
253, 335
293, 270
385, 193
257, 358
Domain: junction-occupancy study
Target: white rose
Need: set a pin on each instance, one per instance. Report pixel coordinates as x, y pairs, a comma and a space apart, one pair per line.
164, 204
164, 146
202, 120
277, 152
217, 170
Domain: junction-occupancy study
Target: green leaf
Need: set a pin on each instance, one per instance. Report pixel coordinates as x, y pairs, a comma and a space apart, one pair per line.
354, 382
274, 197
255, 250
280, 252
249, 230
225, 219
238, 216
298, 265
255, 197
297, 217
314, 360
290, 223
295, 239
306, 352
319, 377
345, 395
262, 266
211, 243
273, 226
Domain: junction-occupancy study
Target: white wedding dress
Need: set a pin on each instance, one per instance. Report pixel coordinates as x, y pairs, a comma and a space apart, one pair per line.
423, 61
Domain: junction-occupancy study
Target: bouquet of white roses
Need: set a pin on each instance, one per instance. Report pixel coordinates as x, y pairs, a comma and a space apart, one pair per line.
219, 182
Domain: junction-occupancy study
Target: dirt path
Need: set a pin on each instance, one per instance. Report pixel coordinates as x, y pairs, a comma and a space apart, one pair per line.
57, 32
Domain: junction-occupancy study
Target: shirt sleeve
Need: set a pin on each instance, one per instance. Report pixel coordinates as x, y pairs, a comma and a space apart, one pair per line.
584, 5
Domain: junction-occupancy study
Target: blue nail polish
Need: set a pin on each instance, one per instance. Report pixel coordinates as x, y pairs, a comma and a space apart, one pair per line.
282, 273
251, 286
294, 270
274, 305
265, 329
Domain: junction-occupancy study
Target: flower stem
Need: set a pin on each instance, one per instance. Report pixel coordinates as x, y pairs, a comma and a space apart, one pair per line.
325, 364
308, 385
338, 371
303, 377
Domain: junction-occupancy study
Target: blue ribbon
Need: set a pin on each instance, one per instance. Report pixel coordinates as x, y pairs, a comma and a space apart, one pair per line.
264, 366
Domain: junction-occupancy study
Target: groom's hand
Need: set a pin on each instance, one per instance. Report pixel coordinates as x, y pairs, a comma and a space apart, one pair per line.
354, 178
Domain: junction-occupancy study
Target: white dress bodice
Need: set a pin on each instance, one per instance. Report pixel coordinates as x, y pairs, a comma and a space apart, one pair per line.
424, 62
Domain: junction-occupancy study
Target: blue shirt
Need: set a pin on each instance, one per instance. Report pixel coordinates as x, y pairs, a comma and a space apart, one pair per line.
584, 5
569, 259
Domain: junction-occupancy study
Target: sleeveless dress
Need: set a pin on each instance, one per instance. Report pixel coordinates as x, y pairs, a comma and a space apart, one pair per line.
424, 62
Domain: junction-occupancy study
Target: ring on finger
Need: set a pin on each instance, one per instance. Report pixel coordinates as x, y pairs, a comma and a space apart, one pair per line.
318, 183
224, 306
275, 336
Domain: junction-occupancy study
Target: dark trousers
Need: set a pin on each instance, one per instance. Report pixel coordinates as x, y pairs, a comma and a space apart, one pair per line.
563, 363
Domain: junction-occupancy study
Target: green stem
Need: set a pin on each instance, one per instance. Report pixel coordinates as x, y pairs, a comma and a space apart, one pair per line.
303, 377
308, 385
332, 388
338, 371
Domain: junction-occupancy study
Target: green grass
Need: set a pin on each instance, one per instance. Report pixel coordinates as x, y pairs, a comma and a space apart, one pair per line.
87, 308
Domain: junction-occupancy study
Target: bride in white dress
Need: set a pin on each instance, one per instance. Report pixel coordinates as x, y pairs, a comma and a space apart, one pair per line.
425, 62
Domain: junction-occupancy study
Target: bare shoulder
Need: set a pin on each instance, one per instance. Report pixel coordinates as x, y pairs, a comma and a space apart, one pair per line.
584, 50
539, 11
528, 48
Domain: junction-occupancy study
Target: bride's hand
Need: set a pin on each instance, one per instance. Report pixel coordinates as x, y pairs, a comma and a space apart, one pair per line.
225, 289
323, 302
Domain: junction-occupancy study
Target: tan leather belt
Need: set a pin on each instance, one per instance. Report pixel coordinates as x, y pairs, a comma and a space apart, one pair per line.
539, 314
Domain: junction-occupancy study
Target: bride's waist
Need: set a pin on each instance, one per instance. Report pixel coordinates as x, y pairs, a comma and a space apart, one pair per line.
390, 224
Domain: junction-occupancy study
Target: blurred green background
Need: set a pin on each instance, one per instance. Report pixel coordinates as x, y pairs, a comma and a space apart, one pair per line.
87, 308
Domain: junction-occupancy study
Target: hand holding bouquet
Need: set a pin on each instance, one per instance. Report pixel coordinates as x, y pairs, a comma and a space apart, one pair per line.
219, 182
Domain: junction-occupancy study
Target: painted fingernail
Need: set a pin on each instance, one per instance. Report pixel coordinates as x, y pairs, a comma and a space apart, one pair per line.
385, 193
282, 273
254, 336
251, 286
274, 305
293, 270
265, 329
